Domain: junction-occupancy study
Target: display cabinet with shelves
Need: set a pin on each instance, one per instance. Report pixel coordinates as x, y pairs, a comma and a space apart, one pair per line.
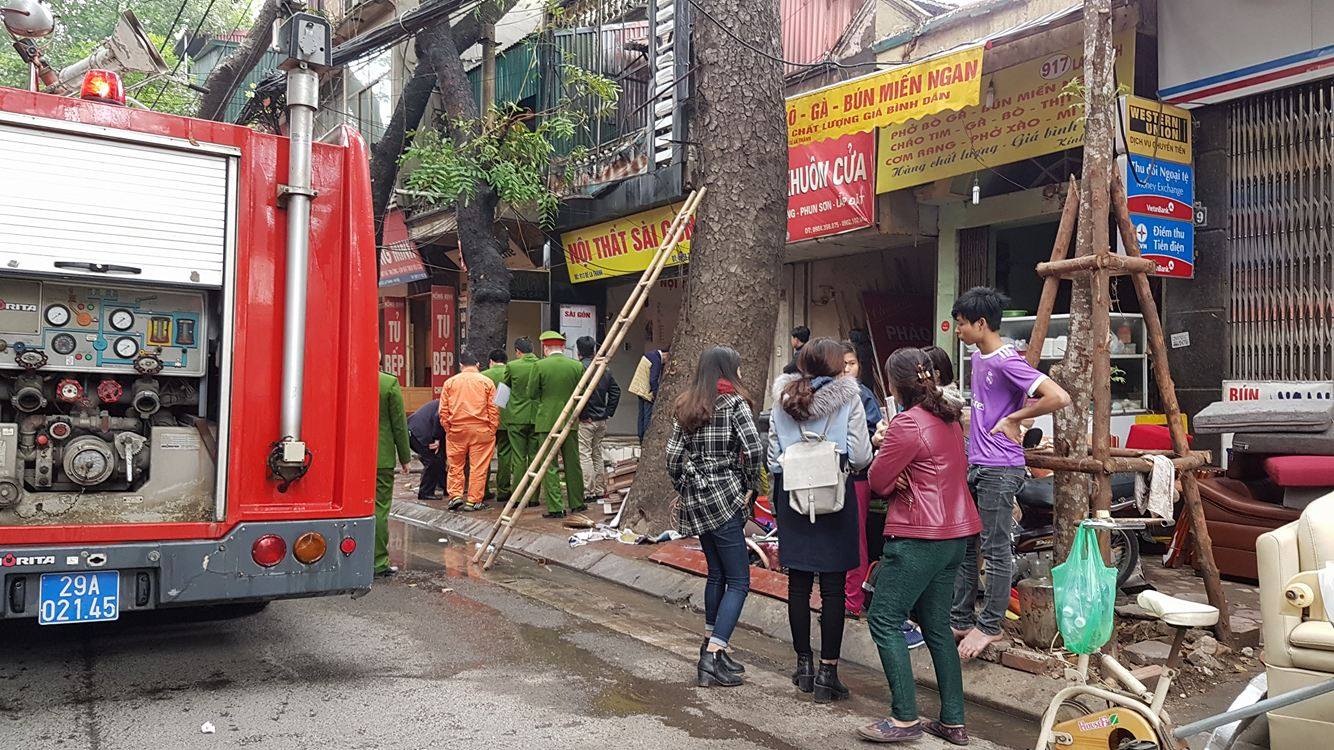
1130, 365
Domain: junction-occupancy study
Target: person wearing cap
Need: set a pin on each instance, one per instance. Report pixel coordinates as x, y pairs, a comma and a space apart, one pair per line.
554, 379
522, 409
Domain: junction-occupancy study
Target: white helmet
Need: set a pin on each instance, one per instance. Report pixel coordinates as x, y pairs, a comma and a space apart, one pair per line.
26, 18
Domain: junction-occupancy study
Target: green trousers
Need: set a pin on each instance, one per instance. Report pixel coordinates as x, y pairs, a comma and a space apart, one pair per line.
523, 446
384, 497
916, 580
574, 476
505, 469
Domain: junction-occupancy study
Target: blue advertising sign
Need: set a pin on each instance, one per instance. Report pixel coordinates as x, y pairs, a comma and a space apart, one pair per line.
1161, 199
1169, 243
1160, 188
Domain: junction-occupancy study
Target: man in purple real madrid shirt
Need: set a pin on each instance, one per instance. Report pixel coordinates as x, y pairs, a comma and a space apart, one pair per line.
1006, 392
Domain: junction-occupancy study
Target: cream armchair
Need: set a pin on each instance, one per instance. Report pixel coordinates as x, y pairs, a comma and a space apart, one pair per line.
1298, 633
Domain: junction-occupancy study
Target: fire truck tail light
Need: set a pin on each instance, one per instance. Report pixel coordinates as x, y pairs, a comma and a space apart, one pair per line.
269, 550
348, 545
102, 86
309, 547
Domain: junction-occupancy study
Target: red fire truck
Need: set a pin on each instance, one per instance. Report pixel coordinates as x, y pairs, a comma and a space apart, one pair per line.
188, 358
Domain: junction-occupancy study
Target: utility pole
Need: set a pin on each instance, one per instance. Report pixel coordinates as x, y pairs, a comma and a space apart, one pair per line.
488, 69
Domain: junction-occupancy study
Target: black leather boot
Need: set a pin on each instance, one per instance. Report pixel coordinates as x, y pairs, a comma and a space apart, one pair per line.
827, 685
732, 664
804, 677
711, 671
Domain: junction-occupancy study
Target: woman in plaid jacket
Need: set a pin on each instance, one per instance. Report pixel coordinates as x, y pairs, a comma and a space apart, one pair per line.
714, 458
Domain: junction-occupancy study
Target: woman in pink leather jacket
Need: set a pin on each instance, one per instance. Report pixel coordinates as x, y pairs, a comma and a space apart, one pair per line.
921, 468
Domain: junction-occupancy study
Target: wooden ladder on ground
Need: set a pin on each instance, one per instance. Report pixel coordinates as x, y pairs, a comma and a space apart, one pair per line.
531, 481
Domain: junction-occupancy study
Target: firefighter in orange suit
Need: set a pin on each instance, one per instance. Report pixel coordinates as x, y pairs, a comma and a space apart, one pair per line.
470, 416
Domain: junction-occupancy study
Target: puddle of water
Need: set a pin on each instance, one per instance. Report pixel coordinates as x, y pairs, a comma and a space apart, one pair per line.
617, 692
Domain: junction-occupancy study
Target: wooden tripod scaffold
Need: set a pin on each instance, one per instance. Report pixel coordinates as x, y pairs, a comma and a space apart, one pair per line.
1104, 460
546, 453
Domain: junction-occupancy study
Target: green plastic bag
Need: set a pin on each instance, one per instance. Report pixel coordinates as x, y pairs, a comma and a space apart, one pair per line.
1085, 592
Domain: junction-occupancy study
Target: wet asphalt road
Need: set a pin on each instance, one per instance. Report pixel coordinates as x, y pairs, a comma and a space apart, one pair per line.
526, 657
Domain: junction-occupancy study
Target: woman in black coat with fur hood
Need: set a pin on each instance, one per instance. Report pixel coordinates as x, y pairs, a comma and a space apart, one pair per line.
818, 399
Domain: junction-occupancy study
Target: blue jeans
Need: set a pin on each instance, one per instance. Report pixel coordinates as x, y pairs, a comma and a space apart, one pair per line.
994, 488
645, 417
729, 577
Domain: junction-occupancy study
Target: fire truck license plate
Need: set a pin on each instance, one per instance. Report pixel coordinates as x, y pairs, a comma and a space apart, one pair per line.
79, 597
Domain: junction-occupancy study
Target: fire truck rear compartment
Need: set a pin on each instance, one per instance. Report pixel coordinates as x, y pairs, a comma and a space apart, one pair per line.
108, 403
113, 297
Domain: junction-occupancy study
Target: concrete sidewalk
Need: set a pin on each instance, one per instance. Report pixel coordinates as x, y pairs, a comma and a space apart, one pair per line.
1011, 691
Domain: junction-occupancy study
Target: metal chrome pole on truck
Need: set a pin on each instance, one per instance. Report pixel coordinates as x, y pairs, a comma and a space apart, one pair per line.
306, 40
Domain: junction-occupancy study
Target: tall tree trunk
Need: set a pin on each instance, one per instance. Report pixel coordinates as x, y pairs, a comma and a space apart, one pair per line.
1075, 372
385, 153
737, 249
222, 82
488, 277
411, 106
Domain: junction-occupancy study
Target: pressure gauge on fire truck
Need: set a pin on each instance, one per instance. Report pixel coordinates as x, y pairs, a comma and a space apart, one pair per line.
57, 315
63, 343
125, 347
122, 319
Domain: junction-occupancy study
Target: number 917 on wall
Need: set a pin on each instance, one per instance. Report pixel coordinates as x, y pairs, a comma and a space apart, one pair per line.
79, 597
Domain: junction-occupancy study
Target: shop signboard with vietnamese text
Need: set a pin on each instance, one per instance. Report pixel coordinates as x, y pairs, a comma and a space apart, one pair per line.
623, 246
394, 338
830, 187
1156, 169
400, 263
577, 321
443, 346
1025, 112
859, 105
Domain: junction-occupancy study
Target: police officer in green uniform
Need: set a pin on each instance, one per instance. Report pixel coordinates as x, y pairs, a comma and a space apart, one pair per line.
556, 378
522, 410
394, 449
504, 450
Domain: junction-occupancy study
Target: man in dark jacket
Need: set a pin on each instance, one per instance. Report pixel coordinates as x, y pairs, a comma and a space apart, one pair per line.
427, 439
601, 406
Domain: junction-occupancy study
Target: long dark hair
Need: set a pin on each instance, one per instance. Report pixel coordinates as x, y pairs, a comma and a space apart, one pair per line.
940, 359
694, 408
913, 376
822, 357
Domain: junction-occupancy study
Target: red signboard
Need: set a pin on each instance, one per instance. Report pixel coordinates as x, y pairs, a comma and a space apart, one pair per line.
399, 261
394, 337
442, 336
831, 187
899, 320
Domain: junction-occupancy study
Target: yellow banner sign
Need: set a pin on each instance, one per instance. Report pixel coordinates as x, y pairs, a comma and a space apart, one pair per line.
624, 246
1025, 113
1156, 130
873, 101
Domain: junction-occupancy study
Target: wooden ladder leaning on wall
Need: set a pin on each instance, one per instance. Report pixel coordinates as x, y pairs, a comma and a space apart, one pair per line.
546, 453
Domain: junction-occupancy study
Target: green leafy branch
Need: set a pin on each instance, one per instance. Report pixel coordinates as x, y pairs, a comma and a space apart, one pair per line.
511, 150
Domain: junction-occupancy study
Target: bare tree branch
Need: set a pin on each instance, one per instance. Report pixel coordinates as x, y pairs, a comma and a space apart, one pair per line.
223, 80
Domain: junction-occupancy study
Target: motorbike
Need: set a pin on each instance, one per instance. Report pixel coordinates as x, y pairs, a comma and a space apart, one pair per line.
1034, 535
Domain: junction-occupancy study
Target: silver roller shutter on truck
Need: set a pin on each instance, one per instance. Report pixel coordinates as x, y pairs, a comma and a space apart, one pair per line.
95, 202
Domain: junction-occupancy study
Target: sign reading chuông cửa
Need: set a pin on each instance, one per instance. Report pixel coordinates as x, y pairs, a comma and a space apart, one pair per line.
830, 187
907, 92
